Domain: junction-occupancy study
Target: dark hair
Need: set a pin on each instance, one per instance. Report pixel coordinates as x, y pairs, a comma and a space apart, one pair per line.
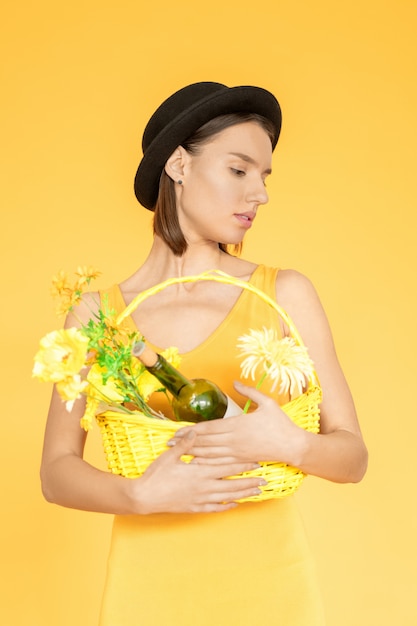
166, 223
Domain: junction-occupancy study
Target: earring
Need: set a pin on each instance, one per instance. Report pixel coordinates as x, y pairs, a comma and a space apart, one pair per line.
179, 182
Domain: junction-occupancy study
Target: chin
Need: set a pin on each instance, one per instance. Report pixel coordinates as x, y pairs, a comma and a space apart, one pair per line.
234, 247
235, 240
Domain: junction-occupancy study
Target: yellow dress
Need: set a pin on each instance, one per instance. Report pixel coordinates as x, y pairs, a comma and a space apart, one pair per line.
251, 565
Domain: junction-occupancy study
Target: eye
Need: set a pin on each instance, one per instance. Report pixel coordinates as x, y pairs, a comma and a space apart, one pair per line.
237, 172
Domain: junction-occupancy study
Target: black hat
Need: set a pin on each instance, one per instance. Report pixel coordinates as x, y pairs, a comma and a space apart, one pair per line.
182, 114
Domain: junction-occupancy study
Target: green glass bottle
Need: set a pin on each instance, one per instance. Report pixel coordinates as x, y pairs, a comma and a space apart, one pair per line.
194, 400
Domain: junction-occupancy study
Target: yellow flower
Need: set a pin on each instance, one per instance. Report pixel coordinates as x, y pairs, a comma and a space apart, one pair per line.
68, 301
146, 383
70, 294
92, 405
62, 354
108, 392
70, 389
87, 272
282, 360
172, 356
85, 276
94, 360
60, 284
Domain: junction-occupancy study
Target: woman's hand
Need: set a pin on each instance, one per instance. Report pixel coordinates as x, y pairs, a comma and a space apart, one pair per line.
266, 434
170, 485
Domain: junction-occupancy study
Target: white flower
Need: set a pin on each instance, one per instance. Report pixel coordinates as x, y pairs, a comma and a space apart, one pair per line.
282, 360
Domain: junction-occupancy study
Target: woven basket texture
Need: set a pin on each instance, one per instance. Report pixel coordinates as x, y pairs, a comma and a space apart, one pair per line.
132, 441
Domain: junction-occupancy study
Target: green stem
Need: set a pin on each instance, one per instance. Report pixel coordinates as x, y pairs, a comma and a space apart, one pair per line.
135, 396
102, 396
249, 402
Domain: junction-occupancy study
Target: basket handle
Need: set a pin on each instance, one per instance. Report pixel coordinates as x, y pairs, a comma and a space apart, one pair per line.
216, 276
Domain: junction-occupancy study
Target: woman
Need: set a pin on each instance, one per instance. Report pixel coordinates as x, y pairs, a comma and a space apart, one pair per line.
207, 153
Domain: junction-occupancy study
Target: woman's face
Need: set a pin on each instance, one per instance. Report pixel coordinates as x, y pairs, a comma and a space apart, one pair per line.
224, 184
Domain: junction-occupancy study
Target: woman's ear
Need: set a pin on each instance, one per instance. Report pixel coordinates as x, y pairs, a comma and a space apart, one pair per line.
175, 165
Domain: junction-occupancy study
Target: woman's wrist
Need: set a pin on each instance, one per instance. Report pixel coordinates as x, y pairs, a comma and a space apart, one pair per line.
137, 502
297, 447
300, 445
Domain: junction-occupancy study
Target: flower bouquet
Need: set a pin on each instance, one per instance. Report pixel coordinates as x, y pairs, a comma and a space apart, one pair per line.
95, 360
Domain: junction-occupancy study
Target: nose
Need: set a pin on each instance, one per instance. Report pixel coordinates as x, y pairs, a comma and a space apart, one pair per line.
258, 192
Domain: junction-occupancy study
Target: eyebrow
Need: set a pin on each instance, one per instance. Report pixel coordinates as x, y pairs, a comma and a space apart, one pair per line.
248, 159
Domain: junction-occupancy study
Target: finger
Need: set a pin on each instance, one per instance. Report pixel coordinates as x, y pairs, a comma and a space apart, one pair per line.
209, 445
209, 439
183, 445
213, 507
237, 492
181, 433
202, 460
236, 484
220, 472
227, 493
227, 460
210, 427
253, 394
213, 451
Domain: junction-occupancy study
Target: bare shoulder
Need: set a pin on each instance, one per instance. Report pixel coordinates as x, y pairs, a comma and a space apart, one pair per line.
299, 298
295, 290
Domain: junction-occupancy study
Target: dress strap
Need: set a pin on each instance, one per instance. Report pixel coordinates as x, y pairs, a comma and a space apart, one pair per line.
265, 279
115, 302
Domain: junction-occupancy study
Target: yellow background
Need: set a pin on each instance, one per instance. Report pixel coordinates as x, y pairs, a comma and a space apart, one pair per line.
79, 80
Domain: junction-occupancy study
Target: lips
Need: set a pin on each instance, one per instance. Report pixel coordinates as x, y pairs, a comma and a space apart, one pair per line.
246, 219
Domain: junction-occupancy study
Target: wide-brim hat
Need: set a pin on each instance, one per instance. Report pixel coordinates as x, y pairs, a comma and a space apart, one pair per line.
178, 117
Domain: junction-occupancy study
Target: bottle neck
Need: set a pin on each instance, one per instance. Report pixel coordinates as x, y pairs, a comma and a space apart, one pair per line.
168, 375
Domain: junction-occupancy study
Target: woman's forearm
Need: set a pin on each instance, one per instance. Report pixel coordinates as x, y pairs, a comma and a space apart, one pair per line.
72, 482
339, 456
168, 486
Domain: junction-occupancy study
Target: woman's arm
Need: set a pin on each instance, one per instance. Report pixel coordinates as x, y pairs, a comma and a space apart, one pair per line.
169, 485
338, 453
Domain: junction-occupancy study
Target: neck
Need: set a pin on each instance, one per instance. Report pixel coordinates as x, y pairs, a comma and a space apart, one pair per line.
162, 264
198, 258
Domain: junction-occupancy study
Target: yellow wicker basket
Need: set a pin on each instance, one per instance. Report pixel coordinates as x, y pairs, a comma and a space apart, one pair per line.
132, 441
